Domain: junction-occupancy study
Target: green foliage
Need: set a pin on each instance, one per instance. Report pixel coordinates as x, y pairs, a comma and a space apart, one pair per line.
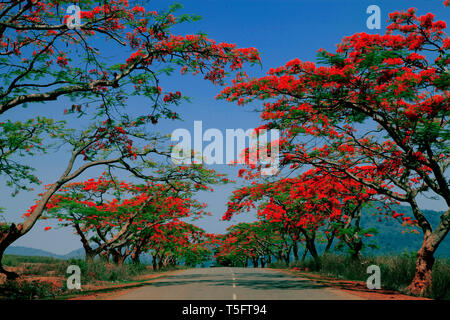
15, 260
19, 139
393, 238
440, 286
99, 270
196, 255
397, 272
24, 290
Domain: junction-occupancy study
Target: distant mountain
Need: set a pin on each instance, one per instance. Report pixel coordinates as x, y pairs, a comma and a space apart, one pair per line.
390, 238
24, 251
32, 252
75, 254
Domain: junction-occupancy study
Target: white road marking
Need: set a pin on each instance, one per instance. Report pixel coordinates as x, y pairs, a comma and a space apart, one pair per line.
234, 296
234, 284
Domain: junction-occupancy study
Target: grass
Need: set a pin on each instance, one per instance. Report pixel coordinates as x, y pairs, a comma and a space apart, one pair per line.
15, 261
397, 272
94, 273
98, 270
26, 290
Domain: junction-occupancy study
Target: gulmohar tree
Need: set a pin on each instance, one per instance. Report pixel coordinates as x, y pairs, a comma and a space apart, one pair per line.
300, 209
42, 59
118, 219
375, 111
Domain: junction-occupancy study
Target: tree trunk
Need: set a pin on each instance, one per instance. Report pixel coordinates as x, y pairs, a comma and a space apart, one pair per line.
422, 280
136, 256
121, 259
304, 254
90, 255
313, 251
280, 256
6, 239
263, 263
115, 256
356, 250
329, 242
295, 248
155, 263
255, 262
137, 259
287, 258
424, 264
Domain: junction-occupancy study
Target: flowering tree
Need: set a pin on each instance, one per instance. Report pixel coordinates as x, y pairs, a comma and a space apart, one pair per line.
229, 251
119, 218
377, 112
47, 59
94, 146
19, 139
304, 205
179, 242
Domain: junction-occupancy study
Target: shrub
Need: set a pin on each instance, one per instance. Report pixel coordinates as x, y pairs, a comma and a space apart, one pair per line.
15, 260
99, 269
440, 287
397, 272
24, 290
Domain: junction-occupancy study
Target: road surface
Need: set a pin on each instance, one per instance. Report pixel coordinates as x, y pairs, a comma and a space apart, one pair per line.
233, 284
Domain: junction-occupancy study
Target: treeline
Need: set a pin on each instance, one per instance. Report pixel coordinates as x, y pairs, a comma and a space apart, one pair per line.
117, 221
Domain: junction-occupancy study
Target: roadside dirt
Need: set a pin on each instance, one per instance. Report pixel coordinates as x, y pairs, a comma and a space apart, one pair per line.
357, 288
109, 292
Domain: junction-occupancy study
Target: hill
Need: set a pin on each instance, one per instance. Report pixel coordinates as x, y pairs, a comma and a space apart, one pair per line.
32, 252
392, 238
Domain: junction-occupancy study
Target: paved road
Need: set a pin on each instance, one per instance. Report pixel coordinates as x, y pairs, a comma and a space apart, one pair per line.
234, 284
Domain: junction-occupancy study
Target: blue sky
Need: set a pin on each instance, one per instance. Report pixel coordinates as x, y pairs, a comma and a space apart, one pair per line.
281, 30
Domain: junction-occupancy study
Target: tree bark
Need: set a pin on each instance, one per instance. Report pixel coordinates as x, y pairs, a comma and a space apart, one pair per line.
356, 250
137, 258
280, 256
304, 254
330, 240
287, 258
155, 263
263, 263
89, 256
313, 251
6, 238
295, 249
422, 280
160, 262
